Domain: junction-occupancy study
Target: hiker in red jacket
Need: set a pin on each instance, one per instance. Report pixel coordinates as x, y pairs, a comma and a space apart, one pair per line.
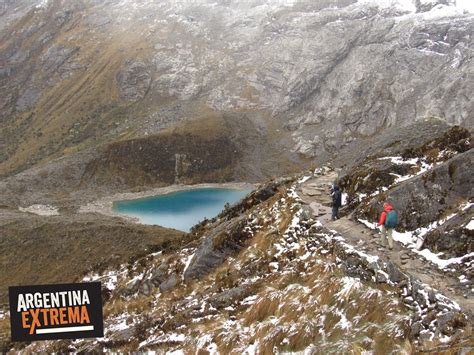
388, 220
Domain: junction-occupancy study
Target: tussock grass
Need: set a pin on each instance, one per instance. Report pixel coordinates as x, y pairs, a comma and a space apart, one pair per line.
305, 331
4, 335
271, 341
263, 308
140, 304
227, 342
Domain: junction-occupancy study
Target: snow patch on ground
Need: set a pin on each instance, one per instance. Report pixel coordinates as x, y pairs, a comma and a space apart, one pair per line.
304, 179
42, 4
470, 225
442, 263
187, 263
109, 279
409, 9
403, 5
414, 162
117, 324
175, 352
348, 284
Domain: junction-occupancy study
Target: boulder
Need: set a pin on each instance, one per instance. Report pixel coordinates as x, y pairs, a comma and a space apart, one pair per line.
228, 297
448, 322
394, 274
226, 239
169, 283
452, 238
158, 275
415, 329
145, 288
123, 335
429, 318
381, 278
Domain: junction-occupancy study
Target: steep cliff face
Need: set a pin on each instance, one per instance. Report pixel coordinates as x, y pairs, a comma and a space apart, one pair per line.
319, 74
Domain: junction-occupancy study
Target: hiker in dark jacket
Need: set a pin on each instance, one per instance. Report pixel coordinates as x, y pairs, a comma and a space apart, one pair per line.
387, 228
336, 201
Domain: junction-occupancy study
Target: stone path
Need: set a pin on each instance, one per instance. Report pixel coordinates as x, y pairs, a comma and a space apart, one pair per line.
315, 192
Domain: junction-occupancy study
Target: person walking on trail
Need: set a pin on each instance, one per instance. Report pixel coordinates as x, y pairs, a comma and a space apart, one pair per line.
388, 220
336, 201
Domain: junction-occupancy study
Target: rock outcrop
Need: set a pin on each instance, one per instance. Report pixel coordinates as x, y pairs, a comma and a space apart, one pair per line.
453, 238
436, 193
134, 81
428, 182
227, 234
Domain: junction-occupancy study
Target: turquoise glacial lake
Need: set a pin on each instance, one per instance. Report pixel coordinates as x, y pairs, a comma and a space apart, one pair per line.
182, 209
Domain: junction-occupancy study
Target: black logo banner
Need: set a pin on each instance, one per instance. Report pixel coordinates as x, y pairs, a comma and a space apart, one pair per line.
46, 312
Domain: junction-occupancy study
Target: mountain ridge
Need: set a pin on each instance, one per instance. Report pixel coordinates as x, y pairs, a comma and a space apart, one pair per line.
333, 72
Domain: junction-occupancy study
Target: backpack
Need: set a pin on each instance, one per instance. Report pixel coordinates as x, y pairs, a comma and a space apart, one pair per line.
392, 219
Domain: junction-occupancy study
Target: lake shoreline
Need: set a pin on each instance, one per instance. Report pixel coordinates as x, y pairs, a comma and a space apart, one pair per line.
105, 205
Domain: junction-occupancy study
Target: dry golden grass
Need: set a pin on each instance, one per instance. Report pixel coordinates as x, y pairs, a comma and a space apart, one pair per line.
262, 242
226, 341
432, 155
305, 333
265, 307
140, 304
4, 330
269, 339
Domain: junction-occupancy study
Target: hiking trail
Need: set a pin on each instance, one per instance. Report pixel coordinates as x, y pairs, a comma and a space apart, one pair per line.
315, 192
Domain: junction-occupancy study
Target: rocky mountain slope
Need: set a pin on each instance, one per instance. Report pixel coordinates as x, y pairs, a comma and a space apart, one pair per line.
311, 75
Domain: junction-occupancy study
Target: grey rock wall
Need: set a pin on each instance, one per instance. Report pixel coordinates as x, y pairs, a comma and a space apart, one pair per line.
328, 72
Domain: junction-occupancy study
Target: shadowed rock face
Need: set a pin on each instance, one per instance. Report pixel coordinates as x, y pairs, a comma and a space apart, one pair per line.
365, 168
73, 75
453, 238
163, 160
